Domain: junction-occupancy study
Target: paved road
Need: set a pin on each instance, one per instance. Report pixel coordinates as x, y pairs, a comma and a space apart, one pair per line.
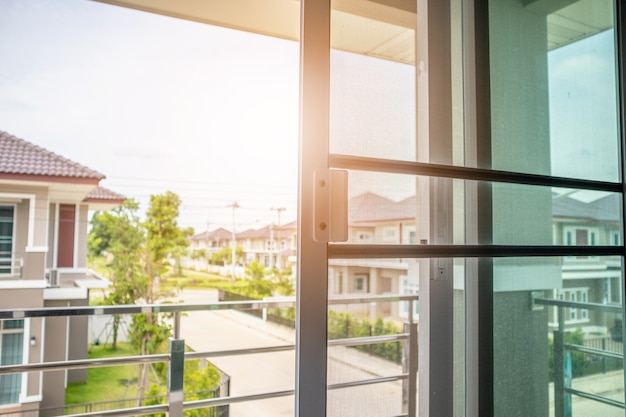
223, 330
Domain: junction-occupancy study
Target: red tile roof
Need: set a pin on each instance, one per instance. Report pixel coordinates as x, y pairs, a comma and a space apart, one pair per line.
19, 157
104, 194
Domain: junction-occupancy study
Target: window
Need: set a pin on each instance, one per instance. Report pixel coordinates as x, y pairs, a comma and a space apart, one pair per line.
575, 295
11, 353
581, 236
409, 287
6, 239
361, 283
389, 233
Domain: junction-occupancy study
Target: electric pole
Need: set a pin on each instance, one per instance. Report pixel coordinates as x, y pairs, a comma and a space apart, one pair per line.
272, 244
234, 242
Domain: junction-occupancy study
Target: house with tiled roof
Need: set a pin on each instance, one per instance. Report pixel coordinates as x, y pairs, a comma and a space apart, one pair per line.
273, 246
587, 219
44, 204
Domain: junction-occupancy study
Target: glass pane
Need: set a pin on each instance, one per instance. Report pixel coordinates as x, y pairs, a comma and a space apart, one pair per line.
158, 104
6, 239
356, 312
385, 209
372, 80
553, 89
541, 328
11, 354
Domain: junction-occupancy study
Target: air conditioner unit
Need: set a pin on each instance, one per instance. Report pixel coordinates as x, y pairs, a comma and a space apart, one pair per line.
53, 278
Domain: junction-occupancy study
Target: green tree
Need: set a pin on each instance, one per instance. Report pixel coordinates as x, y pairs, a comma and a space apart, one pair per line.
164, 238
119, 233
282, 282
258, 284
141, 254
224, 256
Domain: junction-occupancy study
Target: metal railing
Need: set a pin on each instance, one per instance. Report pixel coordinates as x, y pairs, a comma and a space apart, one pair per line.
562, 367
176, 355
11, 265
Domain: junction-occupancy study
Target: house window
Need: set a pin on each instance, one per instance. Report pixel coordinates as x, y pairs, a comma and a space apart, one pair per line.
389, 234
364, 236
581, 236
11, 353
408, 287
361, 283
615, 238
575, 295
6, 239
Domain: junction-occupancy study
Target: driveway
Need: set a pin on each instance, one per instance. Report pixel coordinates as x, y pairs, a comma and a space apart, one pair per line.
258, 373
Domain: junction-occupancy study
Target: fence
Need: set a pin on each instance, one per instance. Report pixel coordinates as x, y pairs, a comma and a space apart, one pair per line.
563, 351
176, 355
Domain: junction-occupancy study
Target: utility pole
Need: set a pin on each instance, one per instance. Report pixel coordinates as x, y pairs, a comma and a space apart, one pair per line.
272, 244
234, 242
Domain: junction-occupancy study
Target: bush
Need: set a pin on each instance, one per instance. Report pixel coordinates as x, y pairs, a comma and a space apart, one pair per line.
344, 325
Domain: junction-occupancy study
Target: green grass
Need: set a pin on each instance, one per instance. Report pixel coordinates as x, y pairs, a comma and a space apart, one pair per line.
200, 280
107, 383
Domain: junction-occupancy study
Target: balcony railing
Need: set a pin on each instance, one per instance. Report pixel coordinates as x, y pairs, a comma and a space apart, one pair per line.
176, 355
11, 265
563, 389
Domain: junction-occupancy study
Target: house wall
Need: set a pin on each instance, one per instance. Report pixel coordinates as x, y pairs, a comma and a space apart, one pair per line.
50, 259
54, 382
28, 298
81, 243
79, 336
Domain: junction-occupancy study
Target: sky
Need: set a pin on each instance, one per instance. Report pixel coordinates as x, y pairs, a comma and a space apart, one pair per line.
155, 104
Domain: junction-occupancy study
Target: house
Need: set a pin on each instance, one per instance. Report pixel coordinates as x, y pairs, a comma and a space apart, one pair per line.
587, 221
273, 246
202, 246
44, 205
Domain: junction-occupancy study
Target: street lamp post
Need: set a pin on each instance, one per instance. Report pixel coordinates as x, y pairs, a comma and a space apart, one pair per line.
234, 242
272, 245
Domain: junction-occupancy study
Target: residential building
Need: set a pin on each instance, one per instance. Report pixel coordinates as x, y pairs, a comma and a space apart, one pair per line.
272, 246
588, 221
507, 100
44, 205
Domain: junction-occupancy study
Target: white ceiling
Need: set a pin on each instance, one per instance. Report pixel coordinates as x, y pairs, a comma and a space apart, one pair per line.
380, 28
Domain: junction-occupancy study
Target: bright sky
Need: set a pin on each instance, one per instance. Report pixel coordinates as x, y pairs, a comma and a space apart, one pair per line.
156, 104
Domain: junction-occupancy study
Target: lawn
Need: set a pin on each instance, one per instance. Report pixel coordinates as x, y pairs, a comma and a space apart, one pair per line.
201, 280
107, 383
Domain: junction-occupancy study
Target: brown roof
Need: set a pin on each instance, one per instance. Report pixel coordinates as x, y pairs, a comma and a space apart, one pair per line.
104, 194
19, 157
370, 207
217, 234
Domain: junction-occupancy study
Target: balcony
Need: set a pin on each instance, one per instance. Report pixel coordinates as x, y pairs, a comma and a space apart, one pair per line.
11, 265
221, 333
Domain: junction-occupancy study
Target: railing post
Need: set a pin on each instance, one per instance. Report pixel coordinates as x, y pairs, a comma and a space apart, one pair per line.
177, 325
175, 377
559, 376
409, 366
603, 357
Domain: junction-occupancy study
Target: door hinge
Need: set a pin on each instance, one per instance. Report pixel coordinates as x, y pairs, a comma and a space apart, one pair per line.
330, 221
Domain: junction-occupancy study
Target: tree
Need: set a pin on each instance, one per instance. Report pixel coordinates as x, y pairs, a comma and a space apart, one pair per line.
163, 239
118, 232
258, 284
140, 254
282, 282
224, 256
